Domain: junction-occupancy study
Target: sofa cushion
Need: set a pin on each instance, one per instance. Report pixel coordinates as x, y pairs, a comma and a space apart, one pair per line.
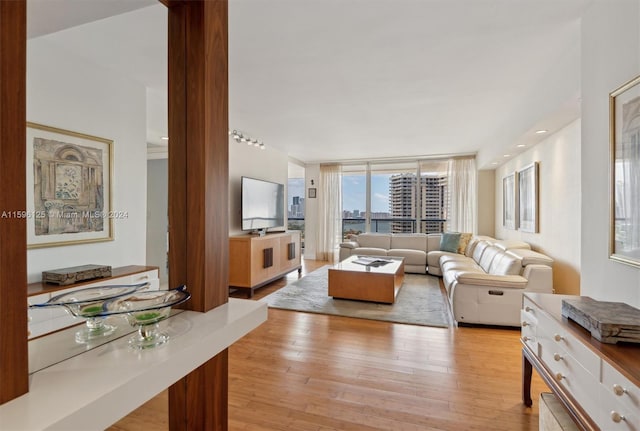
370, 251
487, 257
530, 257
414, 241
479, 249
375, 240
449, 242
475, 241
349, 244
508, 244
411, 257
505, 264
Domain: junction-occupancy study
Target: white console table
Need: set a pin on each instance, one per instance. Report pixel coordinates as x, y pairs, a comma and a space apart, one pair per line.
94, 389
598, 383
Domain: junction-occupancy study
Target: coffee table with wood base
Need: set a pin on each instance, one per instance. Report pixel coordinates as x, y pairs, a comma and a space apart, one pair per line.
349, 280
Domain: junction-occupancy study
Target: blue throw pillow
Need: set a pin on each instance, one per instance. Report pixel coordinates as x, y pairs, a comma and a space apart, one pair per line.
449, 242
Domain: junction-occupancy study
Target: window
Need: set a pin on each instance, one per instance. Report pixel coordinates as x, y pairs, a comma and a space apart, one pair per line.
296, 200
387, 197
354, 200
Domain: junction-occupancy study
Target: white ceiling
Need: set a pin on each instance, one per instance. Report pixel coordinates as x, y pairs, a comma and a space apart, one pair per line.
348, 79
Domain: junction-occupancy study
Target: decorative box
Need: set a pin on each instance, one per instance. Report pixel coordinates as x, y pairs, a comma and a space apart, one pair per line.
75, 274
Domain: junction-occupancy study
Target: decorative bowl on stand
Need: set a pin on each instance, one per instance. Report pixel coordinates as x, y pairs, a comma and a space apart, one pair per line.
145, 310
89, 303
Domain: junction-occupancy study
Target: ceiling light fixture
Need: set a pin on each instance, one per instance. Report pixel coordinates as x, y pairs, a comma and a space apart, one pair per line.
521, 145
164, 138
243, 137
541, 131
506, 155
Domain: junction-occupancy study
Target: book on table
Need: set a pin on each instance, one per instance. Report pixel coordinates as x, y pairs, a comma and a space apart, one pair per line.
371, 261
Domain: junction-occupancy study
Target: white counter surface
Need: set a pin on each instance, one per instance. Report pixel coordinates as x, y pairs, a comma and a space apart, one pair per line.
93, 390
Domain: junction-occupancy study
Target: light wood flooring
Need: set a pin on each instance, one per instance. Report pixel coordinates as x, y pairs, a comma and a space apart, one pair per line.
302, 371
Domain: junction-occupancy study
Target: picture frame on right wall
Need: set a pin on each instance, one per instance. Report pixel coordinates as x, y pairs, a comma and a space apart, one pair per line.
528, 198
624, 129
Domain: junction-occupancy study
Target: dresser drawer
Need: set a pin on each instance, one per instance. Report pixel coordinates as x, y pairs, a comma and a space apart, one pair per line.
569, 373
615, 414
551, 330
625, 392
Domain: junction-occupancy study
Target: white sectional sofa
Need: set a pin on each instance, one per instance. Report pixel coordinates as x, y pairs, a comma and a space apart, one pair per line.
485, 285
413, 247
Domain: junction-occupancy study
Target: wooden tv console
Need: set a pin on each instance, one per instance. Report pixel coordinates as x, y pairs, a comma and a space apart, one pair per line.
257, 260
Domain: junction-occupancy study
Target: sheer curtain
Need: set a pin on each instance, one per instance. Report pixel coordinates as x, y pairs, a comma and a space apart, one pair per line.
462, 182
329, 212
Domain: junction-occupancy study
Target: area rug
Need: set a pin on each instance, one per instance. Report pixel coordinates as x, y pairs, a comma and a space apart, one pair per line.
419, 302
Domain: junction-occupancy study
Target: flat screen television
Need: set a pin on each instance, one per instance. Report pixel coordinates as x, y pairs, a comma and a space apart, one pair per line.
262, 205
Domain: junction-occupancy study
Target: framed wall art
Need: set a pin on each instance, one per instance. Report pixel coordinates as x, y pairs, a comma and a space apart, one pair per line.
528, 198
69, 193
509, 199
624, 130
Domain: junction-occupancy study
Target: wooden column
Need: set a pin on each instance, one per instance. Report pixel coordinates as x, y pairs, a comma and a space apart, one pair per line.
198, 192
13, 247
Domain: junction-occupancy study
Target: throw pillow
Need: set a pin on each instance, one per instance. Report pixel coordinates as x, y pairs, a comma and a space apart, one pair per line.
449, 242
465, 237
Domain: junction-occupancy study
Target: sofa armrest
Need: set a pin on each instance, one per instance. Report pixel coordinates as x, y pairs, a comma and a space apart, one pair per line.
349, 244
540, 278
482, 279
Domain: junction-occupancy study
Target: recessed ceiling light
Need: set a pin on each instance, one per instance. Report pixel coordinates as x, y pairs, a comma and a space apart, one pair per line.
494, 163
521, 145
541, 131
165, 138
506, 155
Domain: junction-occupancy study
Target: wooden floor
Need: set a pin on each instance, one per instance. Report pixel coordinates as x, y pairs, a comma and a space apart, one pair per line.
302, 371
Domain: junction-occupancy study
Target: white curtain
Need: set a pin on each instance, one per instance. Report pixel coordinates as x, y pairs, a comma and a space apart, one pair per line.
329, 212
462, 183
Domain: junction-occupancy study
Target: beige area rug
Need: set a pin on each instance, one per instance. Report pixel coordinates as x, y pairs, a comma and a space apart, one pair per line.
419, 302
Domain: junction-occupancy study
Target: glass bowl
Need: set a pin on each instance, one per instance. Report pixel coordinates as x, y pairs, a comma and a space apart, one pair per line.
89, 303
145, 310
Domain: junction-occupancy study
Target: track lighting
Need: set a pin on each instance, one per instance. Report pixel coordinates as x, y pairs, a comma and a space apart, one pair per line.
241, 137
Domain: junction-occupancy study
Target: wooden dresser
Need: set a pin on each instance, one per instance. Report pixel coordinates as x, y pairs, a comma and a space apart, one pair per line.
598, 383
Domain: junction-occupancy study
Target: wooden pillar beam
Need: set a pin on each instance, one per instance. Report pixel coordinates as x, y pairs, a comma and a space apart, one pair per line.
13, 238
198, 193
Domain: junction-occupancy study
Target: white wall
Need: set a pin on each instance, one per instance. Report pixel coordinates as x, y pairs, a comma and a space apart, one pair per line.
486, 202
559, 204
245, 160
312, 172
157, 215
68, 93
610, 57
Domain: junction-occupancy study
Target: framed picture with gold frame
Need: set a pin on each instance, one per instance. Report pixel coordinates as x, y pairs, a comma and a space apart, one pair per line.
69, 192
528, 198
624, 181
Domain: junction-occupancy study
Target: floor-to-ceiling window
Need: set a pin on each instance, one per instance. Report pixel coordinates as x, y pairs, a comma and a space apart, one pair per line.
296, 200
398, 197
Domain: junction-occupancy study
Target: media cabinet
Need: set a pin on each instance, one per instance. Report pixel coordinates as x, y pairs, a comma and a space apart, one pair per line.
258, 260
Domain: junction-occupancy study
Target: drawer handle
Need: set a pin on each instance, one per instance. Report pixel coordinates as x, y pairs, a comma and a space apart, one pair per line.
559, 377
619, 390
617, 417
525, 323
558, 337
528, 309
557, 357
525, 338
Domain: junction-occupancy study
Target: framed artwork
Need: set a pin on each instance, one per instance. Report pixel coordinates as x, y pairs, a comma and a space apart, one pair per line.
509, 200
528, 198
624, 130
69, 193
312, 193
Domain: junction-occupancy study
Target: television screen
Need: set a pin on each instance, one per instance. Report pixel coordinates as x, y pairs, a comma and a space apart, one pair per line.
262, 204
